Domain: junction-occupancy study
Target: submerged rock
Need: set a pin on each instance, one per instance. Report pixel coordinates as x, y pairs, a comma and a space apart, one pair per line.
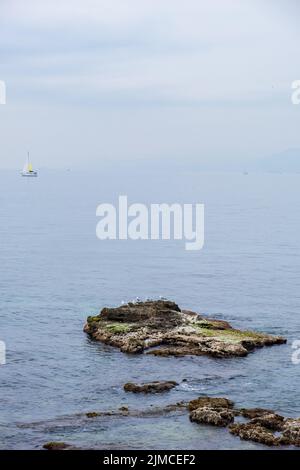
92, 414
124, 409
150, 387
53, 445
264, 427
161, 328
253, 412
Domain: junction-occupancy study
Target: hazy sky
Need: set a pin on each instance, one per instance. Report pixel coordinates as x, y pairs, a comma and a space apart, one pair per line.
91, 81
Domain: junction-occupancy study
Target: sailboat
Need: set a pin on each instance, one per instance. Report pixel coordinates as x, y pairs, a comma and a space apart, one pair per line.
28, 170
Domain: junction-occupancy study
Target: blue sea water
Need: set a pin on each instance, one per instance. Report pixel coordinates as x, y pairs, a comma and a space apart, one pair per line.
54, 272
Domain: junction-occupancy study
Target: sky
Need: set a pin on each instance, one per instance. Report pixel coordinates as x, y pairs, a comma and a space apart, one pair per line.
94, 82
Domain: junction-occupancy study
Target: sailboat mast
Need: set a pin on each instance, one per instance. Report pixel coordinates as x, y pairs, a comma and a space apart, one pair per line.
28, 170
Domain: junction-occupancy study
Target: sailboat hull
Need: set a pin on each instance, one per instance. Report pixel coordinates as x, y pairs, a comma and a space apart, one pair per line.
30, 174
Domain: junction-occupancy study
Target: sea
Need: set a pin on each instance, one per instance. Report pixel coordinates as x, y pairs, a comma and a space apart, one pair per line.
54, 272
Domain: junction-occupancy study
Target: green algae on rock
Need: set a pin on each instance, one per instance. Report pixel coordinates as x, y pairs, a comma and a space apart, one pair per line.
161, 328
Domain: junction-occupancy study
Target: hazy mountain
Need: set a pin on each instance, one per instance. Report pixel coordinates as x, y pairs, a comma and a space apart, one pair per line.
287, 161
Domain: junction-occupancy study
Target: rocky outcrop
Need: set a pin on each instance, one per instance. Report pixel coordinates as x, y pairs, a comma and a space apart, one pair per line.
210, 410
163, 329
271, 421
214, 416
254, 432
150, 387
291, 432
210, 402
270, 429
263, 426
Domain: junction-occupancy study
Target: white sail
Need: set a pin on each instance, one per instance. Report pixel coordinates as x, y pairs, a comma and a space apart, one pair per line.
27, 169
